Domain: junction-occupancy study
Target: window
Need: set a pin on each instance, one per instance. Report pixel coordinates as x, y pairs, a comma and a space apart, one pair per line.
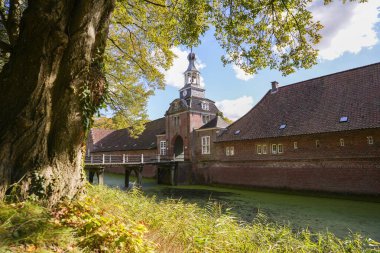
280, 149
162, 147
317, 144
205, 106
265, 149
230, 151
274, 149
295, 145
205, 144
343, 119
369, 140
341, 141
237, 132
205, 118
282, 126
259, 149
176, 120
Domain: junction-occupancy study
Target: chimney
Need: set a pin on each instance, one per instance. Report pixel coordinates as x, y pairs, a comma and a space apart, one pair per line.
274, 86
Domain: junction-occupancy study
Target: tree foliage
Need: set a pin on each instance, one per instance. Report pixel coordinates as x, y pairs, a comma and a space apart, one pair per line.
280, 34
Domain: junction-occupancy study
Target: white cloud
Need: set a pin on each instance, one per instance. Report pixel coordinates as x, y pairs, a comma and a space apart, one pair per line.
348, 27
174, 76
240, 74
235, 108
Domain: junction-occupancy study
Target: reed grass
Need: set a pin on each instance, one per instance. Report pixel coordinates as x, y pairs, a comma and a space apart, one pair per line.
111, 220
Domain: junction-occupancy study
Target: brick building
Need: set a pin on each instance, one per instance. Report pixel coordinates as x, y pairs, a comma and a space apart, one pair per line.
321, 134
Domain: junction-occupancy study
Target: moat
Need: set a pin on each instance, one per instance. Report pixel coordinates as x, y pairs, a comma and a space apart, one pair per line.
339, 216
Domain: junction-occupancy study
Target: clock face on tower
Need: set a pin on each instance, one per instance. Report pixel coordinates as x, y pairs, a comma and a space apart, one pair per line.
184, 93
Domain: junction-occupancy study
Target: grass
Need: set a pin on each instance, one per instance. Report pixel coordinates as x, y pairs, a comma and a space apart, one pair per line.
110, 220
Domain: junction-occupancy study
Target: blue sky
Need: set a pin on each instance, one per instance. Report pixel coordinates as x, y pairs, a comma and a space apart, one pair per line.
351, 38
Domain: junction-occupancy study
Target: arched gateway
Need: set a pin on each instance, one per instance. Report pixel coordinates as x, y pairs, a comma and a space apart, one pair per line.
178, 149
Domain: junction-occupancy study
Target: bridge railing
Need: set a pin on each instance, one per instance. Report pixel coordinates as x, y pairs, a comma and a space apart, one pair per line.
125, 159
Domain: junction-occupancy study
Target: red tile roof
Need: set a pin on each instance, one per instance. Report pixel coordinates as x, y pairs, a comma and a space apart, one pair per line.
119, 140
314, 106
99, 134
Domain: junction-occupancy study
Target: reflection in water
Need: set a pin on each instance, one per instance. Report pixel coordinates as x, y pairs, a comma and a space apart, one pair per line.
318, 214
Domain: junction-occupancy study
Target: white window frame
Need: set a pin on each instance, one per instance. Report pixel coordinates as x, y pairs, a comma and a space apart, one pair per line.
205, 142
227, 151
205, 118
205, 106
162, 147
176, 120
259, 150
280, 149
370, 140
274, 149
295, 145
265, 149
232, 151
341, 142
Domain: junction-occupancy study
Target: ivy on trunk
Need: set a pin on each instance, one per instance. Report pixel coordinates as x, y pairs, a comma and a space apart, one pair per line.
50, 87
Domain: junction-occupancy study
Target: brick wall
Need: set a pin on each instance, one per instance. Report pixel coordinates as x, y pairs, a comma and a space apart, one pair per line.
353, 168
172, 131
359, 176
355, 145
198, 145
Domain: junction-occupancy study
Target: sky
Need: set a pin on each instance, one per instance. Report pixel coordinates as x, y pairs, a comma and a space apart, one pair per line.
351, 38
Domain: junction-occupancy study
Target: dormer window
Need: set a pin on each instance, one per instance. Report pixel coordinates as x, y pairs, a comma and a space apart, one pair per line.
205, 106
205, 118
343, 119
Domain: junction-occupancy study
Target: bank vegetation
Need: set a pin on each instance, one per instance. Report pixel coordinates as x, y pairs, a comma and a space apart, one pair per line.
111, 220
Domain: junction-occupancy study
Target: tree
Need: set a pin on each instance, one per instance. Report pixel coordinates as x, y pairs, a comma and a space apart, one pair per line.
60, 64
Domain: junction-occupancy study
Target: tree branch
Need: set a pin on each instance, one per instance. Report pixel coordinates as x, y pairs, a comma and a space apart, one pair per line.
157, 4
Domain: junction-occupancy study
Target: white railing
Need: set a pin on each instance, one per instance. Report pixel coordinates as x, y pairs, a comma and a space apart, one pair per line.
124, 159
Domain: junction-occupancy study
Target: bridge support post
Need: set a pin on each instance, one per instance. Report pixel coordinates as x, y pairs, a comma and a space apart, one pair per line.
126, 179
139, 175
91, 175
172, 174
100, 175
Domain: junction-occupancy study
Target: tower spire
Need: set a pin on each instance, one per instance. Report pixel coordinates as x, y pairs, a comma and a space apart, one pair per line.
192, 79
191, 58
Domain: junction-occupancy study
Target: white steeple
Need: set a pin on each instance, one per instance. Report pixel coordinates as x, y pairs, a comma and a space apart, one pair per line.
192, 75
192, 87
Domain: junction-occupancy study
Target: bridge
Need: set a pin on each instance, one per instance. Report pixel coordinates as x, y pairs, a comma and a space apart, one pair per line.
96, 164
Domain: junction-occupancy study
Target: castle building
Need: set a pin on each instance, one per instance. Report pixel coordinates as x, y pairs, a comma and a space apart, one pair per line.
318, 135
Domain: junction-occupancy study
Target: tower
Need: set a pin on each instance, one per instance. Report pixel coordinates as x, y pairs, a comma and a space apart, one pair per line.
190, 111
192, 85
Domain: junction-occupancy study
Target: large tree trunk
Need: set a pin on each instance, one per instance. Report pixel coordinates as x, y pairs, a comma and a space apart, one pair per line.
46, 97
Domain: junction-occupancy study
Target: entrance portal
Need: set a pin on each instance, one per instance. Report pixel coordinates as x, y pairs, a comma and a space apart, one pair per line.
178, 149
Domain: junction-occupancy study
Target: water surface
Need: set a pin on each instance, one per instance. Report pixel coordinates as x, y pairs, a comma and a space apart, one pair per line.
339, 216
